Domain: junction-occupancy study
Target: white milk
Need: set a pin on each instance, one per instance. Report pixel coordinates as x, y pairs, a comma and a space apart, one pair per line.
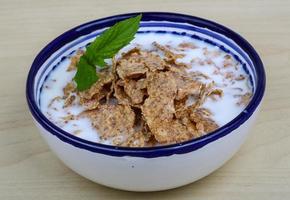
224, 110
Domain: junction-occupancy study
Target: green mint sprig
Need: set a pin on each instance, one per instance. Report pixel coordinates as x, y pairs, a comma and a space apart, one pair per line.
103, 47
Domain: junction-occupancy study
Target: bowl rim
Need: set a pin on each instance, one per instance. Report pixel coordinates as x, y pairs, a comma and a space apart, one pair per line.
146, 152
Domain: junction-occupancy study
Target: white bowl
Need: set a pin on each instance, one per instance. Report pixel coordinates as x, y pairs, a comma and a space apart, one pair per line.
155, 168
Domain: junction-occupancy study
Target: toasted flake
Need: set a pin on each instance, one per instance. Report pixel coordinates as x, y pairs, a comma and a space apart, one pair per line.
156, 110
244, 99
120, 94
95, 101
187, 45
136, 63
142, 83
228, 61
171, 64
240, 78
77, 132
205, 112
113, 120
69, 100
215, 92
162, 84
229, 75
208, 91
170, 55
91, 104
91, 98
181, 108
135, 90
186, 86
131, 53
191, 127
74, 60
132, 67
127, 69
171, 132
68, 118
105, 78
153, 61
238, 89
171, 58
204, 123
198, 75
57, 98
68, 89
137, 139
211, 54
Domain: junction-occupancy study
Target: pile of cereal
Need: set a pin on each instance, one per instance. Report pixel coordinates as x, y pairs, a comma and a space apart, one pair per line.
146, 98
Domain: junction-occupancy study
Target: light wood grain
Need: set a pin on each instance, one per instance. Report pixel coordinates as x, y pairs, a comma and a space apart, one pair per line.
29, 170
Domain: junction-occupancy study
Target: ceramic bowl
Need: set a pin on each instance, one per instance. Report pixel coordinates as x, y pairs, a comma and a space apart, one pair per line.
154, 168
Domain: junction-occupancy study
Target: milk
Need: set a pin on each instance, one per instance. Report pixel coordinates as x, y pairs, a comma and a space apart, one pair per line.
224, 109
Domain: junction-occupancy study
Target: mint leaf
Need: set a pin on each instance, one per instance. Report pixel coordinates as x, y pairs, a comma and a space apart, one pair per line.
103, 47
86, 75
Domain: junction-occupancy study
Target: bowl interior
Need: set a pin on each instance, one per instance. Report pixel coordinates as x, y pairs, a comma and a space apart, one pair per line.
161, 23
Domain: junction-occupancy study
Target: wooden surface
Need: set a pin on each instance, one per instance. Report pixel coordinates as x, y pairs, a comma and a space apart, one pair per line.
29, 170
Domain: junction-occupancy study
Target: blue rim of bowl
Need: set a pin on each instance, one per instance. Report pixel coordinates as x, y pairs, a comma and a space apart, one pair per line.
146, 152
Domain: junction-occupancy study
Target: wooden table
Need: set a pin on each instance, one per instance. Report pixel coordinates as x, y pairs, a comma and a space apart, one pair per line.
29, 170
